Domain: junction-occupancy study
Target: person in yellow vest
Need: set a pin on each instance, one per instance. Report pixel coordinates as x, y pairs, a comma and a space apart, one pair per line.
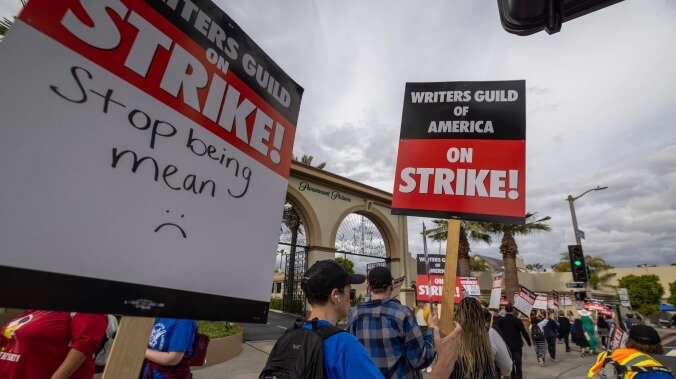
422, 315
635, 360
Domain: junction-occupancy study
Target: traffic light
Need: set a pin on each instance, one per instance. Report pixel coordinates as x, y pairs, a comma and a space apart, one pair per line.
577, 265
580, 296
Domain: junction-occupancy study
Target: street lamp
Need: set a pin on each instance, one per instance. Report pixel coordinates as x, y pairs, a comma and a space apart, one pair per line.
571, 201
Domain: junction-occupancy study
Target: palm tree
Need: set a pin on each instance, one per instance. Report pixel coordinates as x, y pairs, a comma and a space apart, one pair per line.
293, 221
307, 159
476, 232
6, 23
509, 249
478, 264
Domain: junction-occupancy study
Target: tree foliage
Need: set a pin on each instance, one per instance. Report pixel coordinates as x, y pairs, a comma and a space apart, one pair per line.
509, 248
672, 293
307, 159
469, 230
645, 292
478, 264
598, 269
6, 23
348, 264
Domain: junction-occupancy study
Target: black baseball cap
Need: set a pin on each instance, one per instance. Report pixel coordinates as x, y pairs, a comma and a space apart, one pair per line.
645, 335
326, 275
380, 277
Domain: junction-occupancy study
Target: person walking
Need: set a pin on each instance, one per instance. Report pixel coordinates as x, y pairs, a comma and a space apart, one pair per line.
50, 344
603, 329
327, 287
514, 332
169, 349
588, 325
537, 333
389, 330
564, 329
551, 330
580, 337
476, 359
636, 359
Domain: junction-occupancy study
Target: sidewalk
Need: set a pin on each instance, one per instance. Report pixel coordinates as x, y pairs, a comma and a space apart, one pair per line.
250, 362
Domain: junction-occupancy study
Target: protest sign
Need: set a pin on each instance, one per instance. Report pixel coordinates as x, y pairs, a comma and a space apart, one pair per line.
496, 291
524, 301
553, 302
397, 283
432, 291
503, 300
567, 301
617, 338
540, 301
462, 151
145, 158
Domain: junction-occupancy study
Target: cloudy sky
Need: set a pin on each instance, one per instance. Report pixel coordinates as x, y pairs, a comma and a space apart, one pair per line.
601, 104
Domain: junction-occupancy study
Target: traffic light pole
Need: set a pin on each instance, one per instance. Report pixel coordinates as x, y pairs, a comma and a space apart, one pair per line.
571, 201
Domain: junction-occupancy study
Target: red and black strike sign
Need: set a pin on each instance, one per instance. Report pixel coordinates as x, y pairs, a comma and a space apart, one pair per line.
462, 151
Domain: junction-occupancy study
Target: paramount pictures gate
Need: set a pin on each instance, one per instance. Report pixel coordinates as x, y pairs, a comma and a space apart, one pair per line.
328, 216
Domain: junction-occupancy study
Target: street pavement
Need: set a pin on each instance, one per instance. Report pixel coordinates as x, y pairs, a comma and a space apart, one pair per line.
250, 362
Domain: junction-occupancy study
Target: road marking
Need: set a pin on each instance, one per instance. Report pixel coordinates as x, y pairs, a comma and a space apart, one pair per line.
672, 353
283, 327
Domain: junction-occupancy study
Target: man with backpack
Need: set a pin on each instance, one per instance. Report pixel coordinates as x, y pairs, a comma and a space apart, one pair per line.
390, 332
317, 348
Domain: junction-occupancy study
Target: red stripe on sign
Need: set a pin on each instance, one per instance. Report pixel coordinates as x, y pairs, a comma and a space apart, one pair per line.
132, 41
461, 176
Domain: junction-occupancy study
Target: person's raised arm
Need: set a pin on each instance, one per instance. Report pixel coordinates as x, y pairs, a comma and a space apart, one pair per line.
447, 349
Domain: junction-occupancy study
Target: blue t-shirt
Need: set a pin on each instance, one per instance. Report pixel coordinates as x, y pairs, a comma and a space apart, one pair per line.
170, 334
346, 357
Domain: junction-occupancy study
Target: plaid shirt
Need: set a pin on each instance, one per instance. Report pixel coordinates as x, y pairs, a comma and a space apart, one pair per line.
392, 337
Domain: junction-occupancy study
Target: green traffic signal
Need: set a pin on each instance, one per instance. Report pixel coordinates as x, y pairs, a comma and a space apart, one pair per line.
578, 263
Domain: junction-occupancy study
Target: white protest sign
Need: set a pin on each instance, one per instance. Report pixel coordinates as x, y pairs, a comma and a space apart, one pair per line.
397, 283
524, 300
496, 290
144, 166
540, 301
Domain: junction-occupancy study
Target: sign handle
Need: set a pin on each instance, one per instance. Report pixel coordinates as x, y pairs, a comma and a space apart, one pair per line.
129, 348
448, 294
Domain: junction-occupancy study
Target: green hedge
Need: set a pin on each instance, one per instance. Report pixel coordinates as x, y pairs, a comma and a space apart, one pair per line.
218, 329
276, 303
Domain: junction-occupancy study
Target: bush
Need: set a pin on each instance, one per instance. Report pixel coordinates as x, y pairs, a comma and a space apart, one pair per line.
218, 329
276, 303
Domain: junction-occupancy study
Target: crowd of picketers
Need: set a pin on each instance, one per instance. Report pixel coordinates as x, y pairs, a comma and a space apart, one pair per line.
386, 339
382, 339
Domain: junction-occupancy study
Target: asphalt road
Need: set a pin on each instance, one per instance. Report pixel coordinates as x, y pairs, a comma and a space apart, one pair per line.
275, 327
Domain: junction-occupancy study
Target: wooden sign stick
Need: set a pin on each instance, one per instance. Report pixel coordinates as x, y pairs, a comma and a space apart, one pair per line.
129, 348
448, 295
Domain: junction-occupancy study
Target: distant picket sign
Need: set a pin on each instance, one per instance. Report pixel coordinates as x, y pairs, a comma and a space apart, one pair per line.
462, 151
432, 291
145, 158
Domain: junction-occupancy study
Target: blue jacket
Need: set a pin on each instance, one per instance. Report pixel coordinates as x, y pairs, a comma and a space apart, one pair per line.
552, 328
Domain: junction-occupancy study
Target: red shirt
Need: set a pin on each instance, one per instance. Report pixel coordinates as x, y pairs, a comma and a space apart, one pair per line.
33, 345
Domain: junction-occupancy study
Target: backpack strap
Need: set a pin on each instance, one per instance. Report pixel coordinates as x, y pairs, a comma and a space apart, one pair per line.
325, 331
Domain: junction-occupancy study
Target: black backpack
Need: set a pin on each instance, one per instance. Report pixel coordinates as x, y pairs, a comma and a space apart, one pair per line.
536, 333
299, 352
